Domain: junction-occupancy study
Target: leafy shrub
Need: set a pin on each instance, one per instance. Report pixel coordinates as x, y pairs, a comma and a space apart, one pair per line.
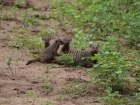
114, 98
103, 18
112, 71
65, 59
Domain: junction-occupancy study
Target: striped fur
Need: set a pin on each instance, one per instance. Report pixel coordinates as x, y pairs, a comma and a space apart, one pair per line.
82, 57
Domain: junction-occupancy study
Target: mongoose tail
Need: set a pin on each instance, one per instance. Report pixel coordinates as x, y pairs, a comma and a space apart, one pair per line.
34, 60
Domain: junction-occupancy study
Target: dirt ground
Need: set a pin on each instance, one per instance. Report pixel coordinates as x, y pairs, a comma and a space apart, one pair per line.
15, 88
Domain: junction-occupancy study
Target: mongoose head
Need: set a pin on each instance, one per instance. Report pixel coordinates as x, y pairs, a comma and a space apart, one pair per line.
94, 48
67, 40
47, 39
59, 41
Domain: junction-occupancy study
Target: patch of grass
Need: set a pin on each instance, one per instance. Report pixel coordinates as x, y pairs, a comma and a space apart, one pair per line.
33, 95
75, 90
19, 2
5, 16
59, 98
65, 59
9, 64
50, 66
36, 98
49, 86
115, 26
114, 98
1, 6
23, 39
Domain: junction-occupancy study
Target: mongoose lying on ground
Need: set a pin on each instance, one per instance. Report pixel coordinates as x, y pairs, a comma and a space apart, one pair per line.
48, 53
81, 57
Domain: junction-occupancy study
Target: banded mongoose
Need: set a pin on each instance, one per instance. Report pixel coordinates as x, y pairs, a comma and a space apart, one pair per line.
46, 41
66, 46
48, 53
81, 57
46, 44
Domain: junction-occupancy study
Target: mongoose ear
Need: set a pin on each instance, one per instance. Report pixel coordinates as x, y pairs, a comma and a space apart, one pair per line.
98, 45
43, 39
90, 45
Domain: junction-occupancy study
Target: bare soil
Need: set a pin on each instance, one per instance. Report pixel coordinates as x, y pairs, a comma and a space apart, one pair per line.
15, 88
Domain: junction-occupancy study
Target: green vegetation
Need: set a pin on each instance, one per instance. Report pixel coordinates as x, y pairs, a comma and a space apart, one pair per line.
114, 24
75, 89
9, 64
102, 18
49, 86
50, 66
65, 59
35, 98
19, 2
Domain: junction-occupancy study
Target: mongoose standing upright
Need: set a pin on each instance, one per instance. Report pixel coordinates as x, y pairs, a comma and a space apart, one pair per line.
46, 44
66, 46
46, 41
48, 53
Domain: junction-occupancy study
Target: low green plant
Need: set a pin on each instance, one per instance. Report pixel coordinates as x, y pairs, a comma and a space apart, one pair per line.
29, 20
45, 16
110, 98
1, 6
47, 102
15, 11
81, 40
101, 18
59, 98
33, 95
113, 67
45, 33
114, 98
136, 73
36, 98
9, 64
50, 66
22, 39
19, 2
5, 16
49, 86
17, 59
75, 89
65, 59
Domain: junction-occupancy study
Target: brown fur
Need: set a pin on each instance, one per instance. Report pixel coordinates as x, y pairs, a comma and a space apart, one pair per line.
46, 44
66, 46
83, 57
46, 41
48, 53
94, 48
